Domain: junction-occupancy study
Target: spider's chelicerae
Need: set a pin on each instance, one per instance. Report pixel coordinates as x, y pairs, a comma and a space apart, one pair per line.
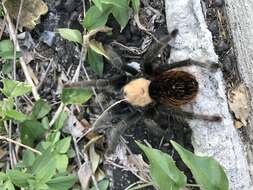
164, 87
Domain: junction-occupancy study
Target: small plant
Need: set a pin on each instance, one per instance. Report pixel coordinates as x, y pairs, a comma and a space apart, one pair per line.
208, 173
47, 169
95, 21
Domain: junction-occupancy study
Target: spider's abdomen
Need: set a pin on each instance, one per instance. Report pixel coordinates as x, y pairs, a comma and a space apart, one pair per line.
173, 88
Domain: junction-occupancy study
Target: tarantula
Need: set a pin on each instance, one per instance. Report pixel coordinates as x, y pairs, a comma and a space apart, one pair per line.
164, 87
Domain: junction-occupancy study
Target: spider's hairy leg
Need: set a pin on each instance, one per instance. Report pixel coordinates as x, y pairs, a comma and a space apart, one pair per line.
114, 133
190, 115
99, 83
117, 62
155, 49
188, 62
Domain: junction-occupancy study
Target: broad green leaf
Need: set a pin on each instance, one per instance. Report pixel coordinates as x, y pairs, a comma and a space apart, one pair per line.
3, 176
206, 171
44, 166
45, 123
163, 170
96, 62
53, 137
6, 45
30, 131
95, 18
61, 162
8, 185
7, 68
40, 109
14, 88
72, 35
121, 15
62, 182
6, 105
98, 48
102, 185
116, 3
59, 123
18, 116
9, 55
136, 5
28, 158
75, 96
19, 178
98, 4
63, 145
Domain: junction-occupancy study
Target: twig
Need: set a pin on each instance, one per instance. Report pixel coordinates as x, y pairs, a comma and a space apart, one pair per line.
21, 59
77, 152
44, 75
15, 35
20, 144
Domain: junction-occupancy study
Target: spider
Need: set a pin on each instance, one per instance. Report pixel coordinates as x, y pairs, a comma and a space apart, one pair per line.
160, 87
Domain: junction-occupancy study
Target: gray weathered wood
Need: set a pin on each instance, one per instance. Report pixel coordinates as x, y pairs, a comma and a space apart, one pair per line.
240, 17
220, 140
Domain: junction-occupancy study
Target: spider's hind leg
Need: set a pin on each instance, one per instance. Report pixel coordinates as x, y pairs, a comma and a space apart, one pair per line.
190, 115
165, 67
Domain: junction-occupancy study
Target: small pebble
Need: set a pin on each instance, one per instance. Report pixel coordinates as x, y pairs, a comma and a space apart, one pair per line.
219, 3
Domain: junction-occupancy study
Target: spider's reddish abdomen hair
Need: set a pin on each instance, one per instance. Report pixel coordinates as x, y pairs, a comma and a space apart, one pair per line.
173, 88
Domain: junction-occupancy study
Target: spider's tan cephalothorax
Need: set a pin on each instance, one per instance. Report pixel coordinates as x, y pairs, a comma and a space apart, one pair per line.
136, 92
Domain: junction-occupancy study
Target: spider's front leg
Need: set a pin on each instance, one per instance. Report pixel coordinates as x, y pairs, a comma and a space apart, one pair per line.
98, 83
114, 133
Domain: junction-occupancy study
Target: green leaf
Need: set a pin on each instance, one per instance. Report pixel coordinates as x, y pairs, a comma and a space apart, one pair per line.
62, 162
63, 145
8, 185
54, 137
6, 45
18, 116
95, 18
7, 68
45, 123
30, 131
75, 96
9, 55
71, 35
3, 176
163, 170
98, 48
136, 5
98, 4
14, 88
28, 158
121, 15
206, 171
19, 178
6, 105
59, 123
96, 62
44, 166
116, 3
62, 182
102, 185
40, 109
